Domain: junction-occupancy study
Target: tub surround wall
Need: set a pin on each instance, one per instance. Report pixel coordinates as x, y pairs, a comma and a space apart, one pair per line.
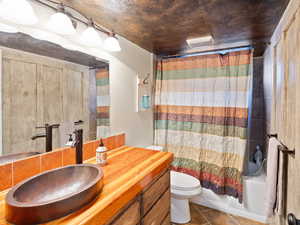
257, 128
15, 172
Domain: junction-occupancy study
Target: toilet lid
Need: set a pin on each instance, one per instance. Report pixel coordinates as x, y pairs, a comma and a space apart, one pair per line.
181, 181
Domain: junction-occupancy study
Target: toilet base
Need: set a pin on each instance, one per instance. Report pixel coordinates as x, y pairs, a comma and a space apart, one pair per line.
180, 210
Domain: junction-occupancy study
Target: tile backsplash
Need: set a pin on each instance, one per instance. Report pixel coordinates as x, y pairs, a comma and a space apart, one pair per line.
15, 172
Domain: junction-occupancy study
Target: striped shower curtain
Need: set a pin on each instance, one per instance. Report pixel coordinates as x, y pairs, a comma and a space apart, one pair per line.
103, 102
201, 115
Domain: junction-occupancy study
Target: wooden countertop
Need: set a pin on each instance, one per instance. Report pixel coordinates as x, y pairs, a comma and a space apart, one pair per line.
129, 170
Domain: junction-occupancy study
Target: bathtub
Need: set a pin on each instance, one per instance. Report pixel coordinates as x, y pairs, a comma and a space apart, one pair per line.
252, 207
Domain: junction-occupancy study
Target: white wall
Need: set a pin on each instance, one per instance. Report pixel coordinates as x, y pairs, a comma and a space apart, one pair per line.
124, 68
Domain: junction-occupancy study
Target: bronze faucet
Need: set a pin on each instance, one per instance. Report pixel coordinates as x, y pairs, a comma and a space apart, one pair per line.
78, 145
48, 135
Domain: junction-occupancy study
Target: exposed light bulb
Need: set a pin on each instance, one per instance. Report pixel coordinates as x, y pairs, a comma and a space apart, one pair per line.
60, 23
18, 11
90, 37
111, 44
7, 28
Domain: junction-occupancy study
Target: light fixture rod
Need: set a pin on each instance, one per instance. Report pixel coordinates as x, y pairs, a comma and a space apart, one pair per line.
98, 27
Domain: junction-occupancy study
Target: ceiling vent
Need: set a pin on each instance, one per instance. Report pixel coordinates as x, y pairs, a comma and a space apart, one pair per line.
200, 41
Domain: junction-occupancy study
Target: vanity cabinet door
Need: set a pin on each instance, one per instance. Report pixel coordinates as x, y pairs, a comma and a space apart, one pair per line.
167, 220
159, 211
130, 216
153, 193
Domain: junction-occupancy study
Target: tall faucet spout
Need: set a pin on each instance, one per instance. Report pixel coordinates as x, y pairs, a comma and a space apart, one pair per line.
38, 136
78, 145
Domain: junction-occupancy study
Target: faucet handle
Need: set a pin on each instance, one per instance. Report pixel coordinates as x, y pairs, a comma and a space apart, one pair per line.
78, 122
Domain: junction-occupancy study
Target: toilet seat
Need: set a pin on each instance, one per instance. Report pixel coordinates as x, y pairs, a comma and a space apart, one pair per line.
184, 182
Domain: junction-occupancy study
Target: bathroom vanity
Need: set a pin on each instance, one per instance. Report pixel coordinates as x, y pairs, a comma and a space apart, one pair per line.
136, 190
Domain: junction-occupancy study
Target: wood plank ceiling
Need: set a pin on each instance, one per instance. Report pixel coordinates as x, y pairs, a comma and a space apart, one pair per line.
162, 26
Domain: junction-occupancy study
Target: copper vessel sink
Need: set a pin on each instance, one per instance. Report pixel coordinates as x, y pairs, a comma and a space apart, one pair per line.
13, 157
53, 194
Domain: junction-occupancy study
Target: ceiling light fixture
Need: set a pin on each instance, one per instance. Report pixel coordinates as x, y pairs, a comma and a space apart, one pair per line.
18, 11
90, 36
7, 28
111, 43
60, 22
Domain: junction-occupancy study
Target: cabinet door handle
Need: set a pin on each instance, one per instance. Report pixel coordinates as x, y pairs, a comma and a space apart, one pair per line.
292, 220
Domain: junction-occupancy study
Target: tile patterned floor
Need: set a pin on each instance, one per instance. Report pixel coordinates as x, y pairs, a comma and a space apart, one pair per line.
206, 216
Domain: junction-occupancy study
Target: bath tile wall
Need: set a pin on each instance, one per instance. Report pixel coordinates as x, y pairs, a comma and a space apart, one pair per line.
258, 113
13, 173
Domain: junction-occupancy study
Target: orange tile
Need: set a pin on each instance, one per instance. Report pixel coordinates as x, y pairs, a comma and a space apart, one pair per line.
96, 143
23, 169
117, 141
120, 140
105, 142
88, 150
114, 141
110, 143
123, 139
51, 160
69, 156
5, 176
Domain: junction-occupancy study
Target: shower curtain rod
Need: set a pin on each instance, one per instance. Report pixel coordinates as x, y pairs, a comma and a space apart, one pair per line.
217, 51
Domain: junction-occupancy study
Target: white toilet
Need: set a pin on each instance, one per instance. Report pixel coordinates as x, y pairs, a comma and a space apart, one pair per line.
183, 188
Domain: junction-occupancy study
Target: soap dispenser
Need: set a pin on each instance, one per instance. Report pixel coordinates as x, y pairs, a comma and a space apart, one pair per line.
101, 157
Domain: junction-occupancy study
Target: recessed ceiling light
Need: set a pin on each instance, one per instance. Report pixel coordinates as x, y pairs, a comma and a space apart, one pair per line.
196, 42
